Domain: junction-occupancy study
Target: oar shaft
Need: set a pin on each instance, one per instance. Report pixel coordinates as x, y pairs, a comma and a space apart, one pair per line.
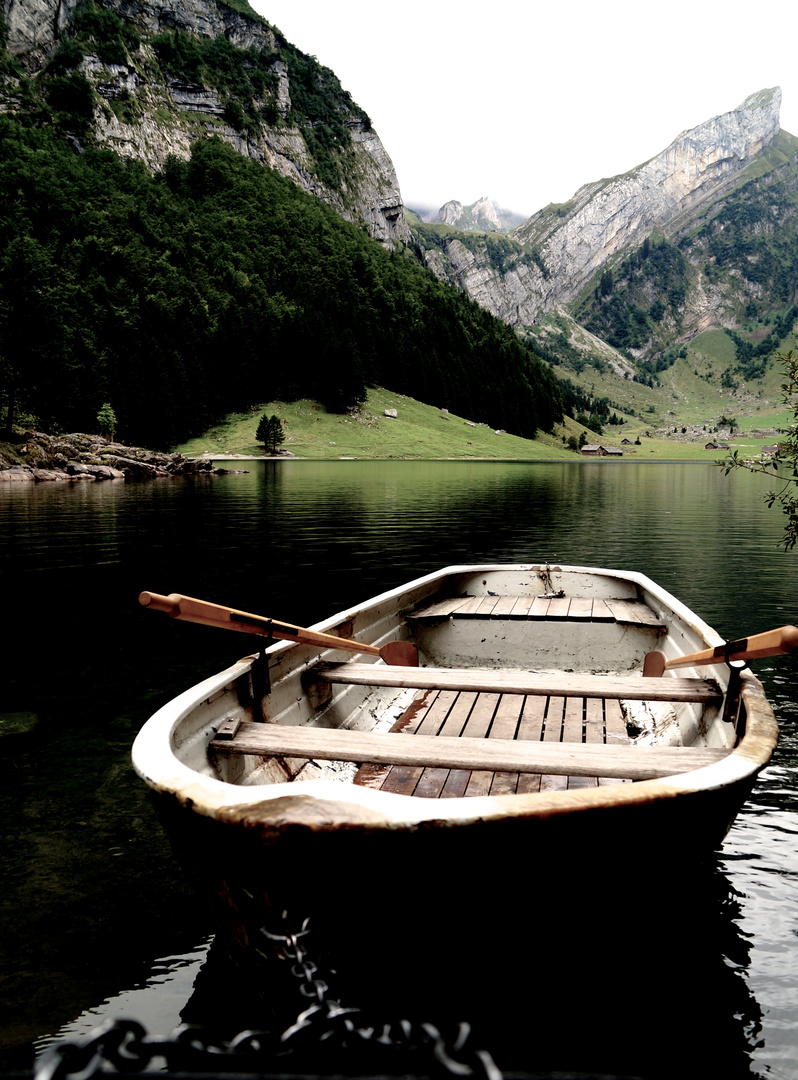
770, 643
188, 609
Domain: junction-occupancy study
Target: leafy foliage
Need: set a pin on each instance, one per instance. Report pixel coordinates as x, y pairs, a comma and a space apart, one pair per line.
106, 418
216, 284
783, 466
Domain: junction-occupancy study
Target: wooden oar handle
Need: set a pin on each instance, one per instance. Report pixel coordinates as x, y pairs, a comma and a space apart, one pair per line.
769, 643
187, 608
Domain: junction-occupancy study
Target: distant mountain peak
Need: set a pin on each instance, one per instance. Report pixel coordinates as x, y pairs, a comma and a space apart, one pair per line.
482, 216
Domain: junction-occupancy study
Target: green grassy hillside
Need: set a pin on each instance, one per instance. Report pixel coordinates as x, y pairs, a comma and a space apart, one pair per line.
421, 431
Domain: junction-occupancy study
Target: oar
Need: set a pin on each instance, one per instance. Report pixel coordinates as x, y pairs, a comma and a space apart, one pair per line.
398, 653
771, 643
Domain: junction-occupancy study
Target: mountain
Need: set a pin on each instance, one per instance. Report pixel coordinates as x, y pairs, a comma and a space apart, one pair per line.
703, 235
482, 216
149, 77
174, 242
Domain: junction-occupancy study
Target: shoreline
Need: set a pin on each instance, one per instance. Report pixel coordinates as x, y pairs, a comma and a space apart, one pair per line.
529, 461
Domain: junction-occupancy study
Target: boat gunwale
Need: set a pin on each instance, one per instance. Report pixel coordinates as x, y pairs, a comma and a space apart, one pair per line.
336, 804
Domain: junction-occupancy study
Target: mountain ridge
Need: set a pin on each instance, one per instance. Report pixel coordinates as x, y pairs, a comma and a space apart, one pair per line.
561, 247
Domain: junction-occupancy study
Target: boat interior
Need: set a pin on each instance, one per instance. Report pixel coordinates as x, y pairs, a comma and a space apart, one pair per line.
528, 682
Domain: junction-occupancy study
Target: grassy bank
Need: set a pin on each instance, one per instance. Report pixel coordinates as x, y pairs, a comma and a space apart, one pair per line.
418, 431
422, 431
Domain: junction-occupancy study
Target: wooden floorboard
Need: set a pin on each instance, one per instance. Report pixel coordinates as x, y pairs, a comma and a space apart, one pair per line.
530, 729
552, 733
504, 726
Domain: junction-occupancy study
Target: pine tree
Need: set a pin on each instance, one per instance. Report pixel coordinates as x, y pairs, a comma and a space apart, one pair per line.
270, 432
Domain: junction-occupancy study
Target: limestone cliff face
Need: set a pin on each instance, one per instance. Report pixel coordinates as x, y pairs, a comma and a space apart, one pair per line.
167, 114
573, 241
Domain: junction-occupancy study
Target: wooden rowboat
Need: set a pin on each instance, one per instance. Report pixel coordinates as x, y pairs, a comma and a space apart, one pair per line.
527, 737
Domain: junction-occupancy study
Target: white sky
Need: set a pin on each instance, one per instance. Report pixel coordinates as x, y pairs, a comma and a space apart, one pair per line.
526, 101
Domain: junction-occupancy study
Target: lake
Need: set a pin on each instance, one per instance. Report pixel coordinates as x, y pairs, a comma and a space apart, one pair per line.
97, 918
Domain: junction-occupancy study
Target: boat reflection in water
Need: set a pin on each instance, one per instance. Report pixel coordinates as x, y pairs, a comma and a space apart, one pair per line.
648, 980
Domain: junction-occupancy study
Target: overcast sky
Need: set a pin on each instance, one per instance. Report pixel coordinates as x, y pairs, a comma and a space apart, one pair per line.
526, 101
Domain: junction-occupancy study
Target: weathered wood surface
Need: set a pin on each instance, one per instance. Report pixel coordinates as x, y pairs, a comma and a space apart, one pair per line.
586, 609
497, 680
431, 752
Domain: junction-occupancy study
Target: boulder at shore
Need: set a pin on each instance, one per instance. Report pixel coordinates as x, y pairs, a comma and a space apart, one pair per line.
39, 457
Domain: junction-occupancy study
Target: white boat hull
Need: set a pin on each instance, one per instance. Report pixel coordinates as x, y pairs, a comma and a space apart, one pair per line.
263, 834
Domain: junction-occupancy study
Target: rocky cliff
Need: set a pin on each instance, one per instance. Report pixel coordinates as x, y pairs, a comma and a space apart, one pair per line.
561, 248
151, 96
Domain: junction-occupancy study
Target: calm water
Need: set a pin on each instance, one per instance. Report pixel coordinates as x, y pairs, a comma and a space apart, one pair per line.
97, 919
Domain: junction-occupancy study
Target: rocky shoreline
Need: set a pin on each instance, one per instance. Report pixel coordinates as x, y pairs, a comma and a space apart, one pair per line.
36, 457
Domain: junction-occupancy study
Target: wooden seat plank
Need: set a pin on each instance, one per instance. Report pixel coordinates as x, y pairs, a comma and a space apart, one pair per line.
634, 613
558, 607
601, 612
502, 755
503, 607
469, 608
519, 682
441, 609
580, 608
521, 607
629, 612
539, 608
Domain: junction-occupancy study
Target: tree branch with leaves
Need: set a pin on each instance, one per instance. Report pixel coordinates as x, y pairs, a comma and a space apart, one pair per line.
783, 465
